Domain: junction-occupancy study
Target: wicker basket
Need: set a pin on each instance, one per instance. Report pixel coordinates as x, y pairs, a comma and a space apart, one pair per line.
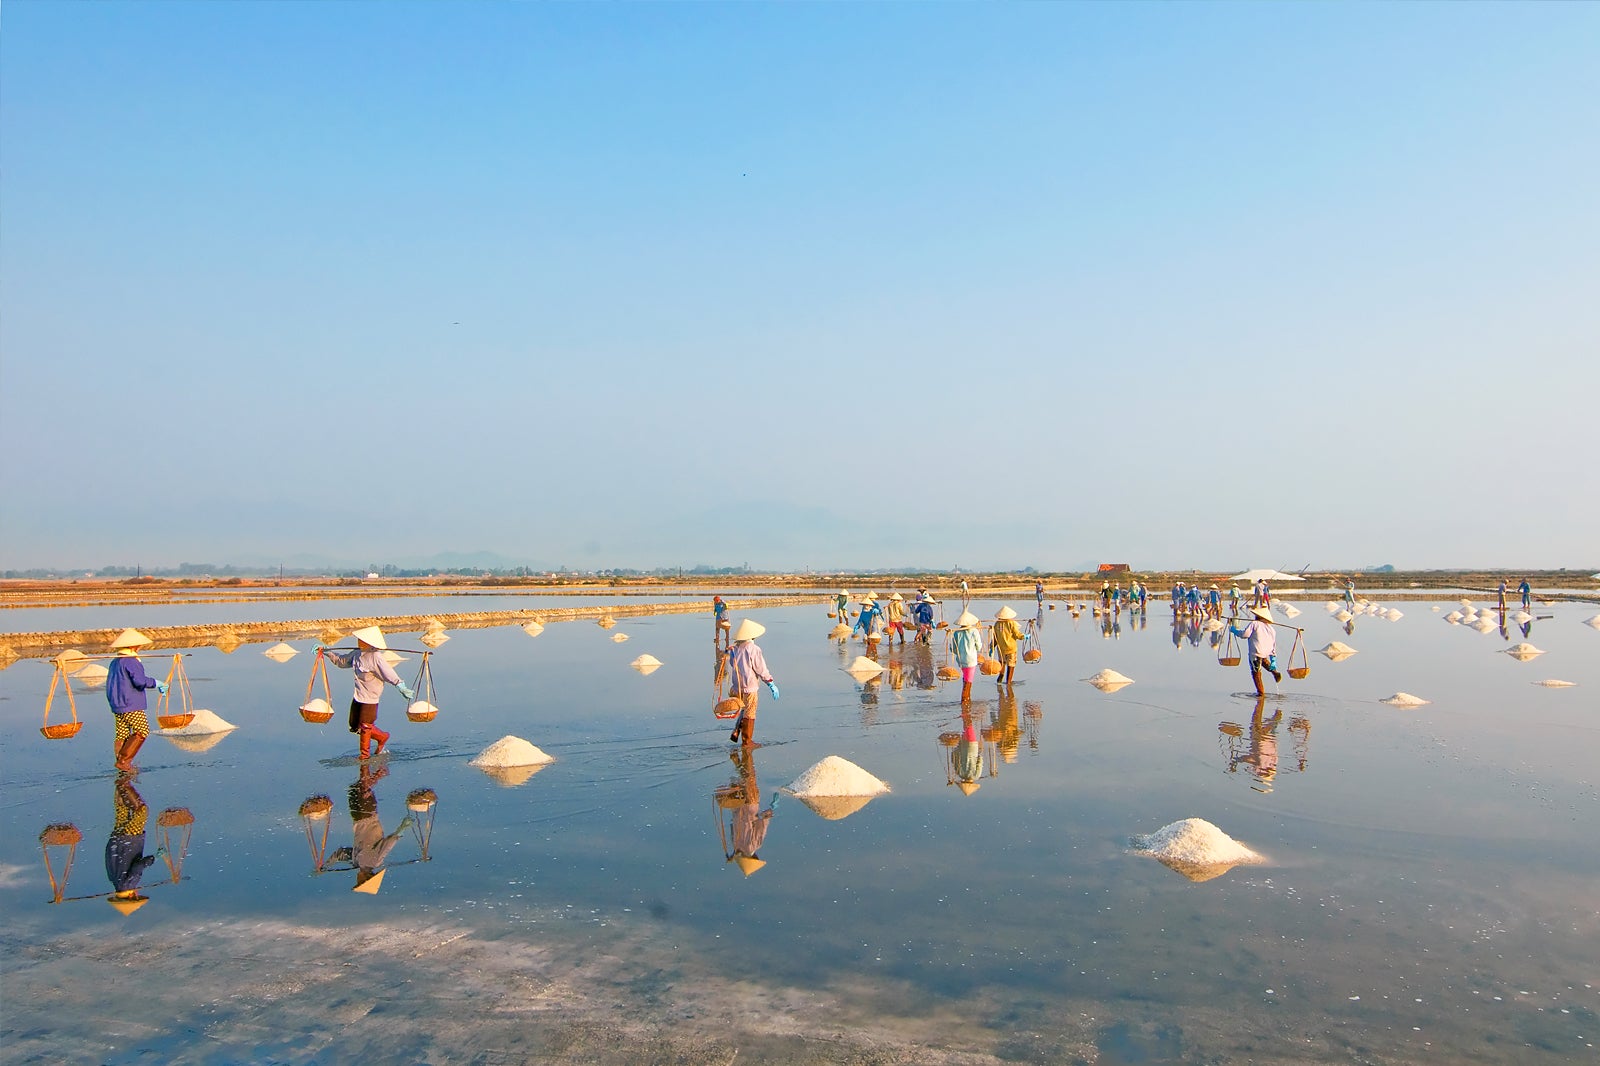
174, 816
61, 731
315, 716
1231, 660
420, 711
988, 667
60, 833
1032, 655
949, 740
728, 708
1299, 673
316, 807
421, 799
948, 673
833, 614
173, 721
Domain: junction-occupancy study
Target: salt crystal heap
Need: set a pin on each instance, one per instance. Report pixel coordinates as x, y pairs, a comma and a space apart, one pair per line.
1592, 623
863, 668
204, 731
1109, 681
1196, 849
619, 638
533, 629
1454, 617
91, 676
839, 632
1551, 682
646, 664
1337, 650
1290, 611
1405, 699
1344, 616
834, 776
511, 761
280, 652
1523, 652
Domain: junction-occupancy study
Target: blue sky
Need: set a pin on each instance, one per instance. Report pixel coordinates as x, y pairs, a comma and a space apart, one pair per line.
800, 285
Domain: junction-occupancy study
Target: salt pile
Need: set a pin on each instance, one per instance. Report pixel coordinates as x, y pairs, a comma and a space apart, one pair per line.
834, 776
204, 723
1333, 606
508, 752
1344, 616
839, 632
618, 638
533, 629
1522, 616
1109, 680
1551, 682
1337, 649
1483, 625
92, 675
1393, 615
1405, 699
646, 664
1291, 611
1454, 617
1593, 623
1524, 652
393, 658
281, 652
317, 705
1435, 607
1195, 848
863, 667
434, 637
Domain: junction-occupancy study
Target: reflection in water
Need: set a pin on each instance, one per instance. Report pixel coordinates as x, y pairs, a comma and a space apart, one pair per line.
126, 861
962, 754
368, 854
1258, 752
175, 822
64, 837
1005, 726
745, 830
1032, 715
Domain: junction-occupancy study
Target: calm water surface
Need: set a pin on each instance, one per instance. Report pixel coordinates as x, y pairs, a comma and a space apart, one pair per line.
1431, 891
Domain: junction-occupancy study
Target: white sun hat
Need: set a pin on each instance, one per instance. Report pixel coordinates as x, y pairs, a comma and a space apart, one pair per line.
749, 629
130, 638
372, 637
1004, 613
968, 620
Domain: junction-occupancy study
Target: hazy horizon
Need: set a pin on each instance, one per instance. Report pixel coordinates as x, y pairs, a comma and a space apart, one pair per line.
799, 285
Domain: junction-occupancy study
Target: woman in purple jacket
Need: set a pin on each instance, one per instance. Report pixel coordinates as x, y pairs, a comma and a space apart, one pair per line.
126, 684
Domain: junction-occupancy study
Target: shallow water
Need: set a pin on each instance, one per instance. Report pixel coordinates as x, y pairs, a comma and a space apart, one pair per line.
1430, 891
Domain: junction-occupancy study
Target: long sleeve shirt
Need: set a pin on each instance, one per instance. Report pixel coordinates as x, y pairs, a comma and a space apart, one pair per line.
870, 620
372, 670
1263, 642
747, 667
126, 683
965, 645
1006, 636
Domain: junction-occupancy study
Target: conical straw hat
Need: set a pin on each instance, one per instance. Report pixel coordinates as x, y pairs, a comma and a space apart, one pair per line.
749, 864
749, 629
1005, 612
131, 638
369, 884
1262, 613
371, 636
129, 902
968, 620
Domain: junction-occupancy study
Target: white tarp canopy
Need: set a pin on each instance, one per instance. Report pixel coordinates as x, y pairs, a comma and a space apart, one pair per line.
1267, 575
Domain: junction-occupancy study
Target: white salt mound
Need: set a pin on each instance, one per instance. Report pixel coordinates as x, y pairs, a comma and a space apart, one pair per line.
533, 629
1196, 841
1291, 611
1522, 616
1405, 699
1393, 615
1593, 622
1344, 616
1551, 682
618, 638
1483, 625
1524, 651
645, 661
93, 674
834, 776
317, 706
864, 665
1436, 607
205, 722
1453, 617
510, 751
1333, 606
1109, 677
1337, 647
281, 652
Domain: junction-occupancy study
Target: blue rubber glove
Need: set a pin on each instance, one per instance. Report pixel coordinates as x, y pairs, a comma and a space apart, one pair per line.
161, 687
318, 648
405, 690
772, 687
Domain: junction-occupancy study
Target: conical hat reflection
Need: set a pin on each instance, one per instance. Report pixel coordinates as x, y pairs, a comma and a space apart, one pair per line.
191, 742
834, 808
968, 787
749, 864
1197, 871
369, 883
512, 776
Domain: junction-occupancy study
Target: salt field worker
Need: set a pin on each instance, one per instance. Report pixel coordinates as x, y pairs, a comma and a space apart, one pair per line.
1261, 647
1006, 636
841, 605
1105, 595
126, 861
1502, 595
922, 616
1233, 599
720, 610
1038, 591
1214, 602
126, 685
966, 644
1527, 597
372, 673
1350, 593
870, 621
747, 667
896, 614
